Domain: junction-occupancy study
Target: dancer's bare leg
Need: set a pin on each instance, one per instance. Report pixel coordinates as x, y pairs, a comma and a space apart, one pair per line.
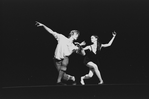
96, 70
87, 76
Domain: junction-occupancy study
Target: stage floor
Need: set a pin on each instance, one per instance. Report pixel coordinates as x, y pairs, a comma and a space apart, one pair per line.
104, 91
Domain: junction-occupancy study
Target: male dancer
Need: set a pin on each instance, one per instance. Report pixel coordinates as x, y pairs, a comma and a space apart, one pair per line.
64, 49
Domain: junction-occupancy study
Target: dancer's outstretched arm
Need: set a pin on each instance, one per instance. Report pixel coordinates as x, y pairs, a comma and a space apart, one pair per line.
85, 48
55, 34
110, 42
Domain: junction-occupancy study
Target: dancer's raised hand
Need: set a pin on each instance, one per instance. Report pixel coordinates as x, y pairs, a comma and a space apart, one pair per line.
39, 24
114, 33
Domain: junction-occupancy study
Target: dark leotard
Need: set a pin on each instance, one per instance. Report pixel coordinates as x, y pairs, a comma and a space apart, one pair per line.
91, 57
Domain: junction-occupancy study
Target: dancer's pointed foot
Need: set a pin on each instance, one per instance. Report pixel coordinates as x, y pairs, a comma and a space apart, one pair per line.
101, 82
82, 81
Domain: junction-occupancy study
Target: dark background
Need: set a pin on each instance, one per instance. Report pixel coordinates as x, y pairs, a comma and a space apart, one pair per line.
27, 51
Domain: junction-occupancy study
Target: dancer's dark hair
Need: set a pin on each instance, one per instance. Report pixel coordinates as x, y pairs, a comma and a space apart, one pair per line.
98, 43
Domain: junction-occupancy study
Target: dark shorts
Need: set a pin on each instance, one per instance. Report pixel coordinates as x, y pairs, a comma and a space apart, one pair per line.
61, 64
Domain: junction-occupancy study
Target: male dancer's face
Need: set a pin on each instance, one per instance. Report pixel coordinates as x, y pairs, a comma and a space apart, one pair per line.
75, 36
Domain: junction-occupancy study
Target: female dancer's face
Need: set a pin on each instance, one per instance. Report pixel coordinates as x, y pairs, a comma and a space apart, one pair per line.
93, 39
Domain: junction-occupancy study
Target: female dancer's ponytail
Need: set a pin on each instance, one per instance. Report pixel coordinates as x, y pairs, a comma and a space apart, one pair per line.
98, 43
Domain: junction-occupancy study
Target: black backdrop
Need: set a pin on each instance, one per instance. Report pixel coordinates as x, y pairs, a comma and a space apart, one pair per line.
27, 51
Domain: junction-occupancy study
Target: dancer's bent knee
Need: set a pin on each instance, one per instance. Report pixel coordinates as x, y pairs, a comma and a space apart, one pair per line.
91, 65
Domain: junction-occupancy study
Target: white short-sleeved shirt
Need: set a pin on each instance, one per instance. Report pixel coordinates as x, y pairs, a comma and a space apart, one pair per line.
64, 47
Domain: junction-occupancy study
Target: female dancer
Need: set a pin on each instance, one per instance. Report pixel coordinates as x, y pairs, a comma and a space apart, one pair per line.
91, 59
